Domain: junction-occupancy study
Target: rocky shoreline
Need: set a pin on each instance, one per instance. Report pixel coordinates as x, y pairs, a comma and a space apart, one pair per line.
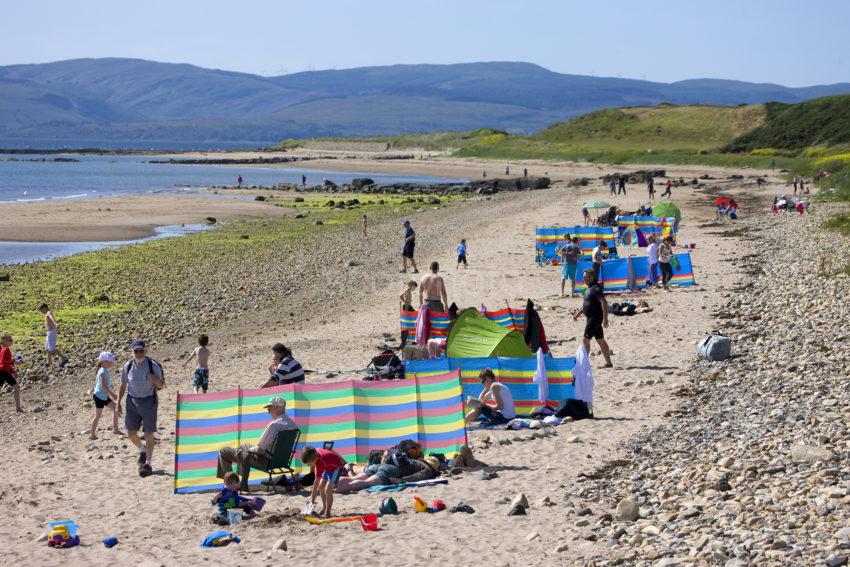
754, 466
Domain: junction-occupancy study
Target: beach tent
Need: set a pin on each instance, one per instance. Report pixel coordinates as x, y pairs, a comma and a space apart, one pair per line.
440, 323
667, 209
475, 336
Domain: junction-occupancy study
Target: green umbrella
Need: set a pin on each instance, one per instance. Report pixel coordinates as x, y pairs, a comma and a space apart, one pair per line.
596, 205
667, 209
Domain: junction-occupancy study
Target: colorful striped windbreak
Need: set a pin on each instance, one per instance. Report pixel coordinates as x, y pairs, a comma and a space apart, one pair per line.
649, 225
614, 274
511, 318
548, 239
516, 373
358, 416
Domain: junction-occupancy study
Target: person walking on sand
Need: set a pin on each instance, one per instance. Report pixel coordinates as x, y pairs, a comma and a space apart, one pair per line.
103, 396
239, 182
409, 246
507, 170
432, 290
570, 255
303, 180
365, 224
51, 332
585, 215
650, 187
621, 188
525, 172
595, 309
652, 261
201, 378
461, 254
668, 192
141, 379
8, 374
612, 186
665, 251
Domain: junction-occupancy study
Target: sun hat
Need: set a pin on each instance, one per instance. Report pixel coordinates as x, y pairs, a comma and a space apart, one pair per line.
276, 402
107, 356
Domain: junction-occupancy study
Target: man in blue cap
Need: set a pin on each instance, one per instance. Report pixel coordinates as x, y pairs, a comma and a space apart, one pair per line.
141, 378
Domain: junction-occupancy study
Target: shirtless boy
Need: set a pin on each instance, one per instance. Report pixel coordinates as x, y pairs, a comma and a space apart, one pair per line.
201, 379
51, 330
432, 290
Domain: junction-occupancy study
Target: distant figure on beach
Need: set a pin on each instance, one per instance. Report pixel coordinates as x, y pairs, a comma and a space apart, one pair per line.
246, 456
8, 374
650, 187
432, 290
525, 172
239, 181
612, 186
621, 187
597, 257
303, 180
283, 369
773, 164
51, 331
668, 192
507, 170
585, 215
103, 396
570, 255
595, 309
652, 260
461, 254
141, 378
201, 378
802, 206
409, 247
665, 252
365, 224
484, 173
495, 404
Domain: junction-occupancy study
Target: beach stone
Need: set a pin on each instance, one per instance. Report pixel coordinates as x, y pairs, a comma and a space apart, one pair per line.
279, 545
532, 536
562, 548
836, 560
627, 510
520, 500
573, 439
486, 475
810, 453
41, 538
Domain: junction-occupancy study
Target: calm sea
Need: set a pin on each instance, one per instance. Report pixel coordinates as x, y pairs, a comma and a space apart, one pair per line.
95, 176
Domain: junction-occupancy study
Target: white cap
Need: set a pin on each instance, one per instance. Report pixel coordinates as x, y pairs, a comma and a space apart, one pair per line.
107, 357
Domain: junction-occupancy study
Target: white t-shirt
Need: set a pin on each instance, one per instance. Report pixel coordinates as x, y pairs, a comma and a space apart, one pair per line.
652, 253
508, 410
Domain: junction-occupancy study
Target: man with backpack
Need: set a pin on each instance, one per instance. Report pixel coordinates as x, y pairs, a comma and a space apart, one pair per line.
141, 378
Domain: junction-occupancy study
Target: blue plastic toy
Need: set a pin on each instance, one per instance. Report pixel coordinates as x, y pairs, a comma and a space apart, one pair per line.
63, 534
220, 539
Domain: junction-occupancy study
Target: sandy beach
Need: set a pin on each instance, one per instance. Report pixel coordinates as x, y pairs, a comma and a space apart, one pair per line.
350, 309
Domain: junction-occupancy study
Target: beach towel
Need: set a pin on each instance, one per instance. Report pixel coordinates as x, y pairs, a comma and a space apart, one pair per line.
541, 378
401, 486
583, 377
423, 326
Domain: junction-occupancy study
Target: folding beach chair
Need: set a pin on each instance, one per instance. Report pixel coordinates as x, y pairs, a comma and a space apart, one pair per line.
280, 457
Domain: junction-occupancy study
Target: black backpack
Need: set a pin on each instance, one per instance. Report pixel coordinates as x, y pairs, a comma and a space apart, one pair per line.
576, 409
151, 365
386, 366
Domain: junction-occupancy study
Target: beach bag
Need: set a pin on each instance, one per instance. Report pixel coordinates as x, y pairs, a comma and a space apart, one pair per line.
576, 409
715, 347
386, 366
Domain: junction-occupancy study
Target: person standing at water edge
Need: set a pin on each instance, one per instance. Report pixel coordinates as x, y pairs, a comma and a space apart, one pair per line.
432, 290
239, 182
141, 378
595, 309
51, 332
409, 246
303, 180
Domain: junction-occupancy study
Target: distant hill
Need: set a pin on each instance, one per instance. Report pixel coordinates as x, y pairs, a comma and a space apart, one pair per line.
825, 121
140, 100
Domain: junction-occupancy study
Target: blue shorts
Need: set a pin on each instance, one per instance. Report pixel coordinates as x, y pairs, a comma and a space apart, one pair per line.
332, 476
569, 271
201, 378
384, 472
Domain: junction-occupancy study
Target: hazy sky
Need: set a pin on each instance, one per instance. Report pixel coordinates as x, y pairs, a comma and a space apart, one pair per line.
783, 41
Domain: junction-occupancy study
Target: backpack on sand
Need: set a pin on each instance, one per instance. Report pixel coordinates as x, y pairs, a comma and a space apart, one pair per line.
715, 347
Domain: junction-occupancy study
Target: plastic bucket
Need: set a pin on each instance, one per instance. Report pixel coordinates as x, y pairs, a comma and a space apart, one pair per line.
369, 522
234, 516
69, 524
388, 506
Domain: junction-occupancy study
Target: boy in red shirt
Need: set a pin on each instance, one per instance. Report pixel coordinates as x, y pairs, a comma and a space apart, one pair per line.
7, 370
328, 466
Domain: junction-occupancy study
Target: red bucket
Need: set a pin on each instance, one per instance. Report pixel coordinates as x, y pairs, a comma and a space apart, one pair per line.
369, 522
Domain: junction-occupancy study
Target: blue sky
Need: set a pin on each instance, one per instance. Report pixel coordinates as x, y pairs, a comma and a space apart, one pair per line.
789, 42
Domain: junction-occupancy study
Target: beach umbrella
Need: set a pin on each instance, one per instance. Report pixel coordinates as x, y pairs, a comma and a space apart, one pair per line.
596, 205
667, 209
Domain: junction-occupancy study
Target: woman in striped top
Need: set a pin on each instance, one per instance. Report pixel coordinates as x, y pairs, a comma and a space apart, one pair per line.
284, 369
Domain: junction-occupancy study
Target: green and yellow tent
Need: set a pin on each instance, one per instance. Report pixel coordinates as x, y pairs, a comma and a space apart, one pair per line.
475, 336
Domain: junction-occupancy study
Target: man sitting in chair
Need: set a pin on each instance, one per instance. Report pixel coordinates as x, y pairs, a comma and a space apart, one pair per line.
246, 456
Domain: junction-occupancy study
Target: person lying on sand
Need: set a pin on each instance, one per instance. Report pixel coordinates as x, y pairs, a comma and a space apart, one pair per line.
400, 464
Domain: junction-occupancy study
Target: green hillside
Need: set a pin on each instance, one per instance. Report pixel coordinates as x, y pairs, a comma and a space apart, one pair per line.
431, 141
823, 121
662, 127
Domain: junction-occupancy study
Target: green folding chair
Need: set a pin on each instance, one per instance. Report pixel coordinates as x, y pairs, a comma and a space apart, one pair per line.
280, 457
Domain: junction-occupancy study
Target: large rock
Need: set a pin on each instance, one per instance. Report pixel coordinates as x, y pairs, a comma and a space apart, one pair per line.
361, 182
810, 453
628, 510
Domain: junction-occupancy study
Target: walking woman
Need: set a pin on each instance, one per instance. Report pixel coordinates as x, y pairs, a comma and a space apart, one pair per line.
665, 252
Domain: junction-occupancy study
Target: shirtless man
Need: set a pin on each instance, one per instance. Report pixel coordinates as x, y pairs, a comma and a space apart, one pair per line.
432, 290
51, 330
